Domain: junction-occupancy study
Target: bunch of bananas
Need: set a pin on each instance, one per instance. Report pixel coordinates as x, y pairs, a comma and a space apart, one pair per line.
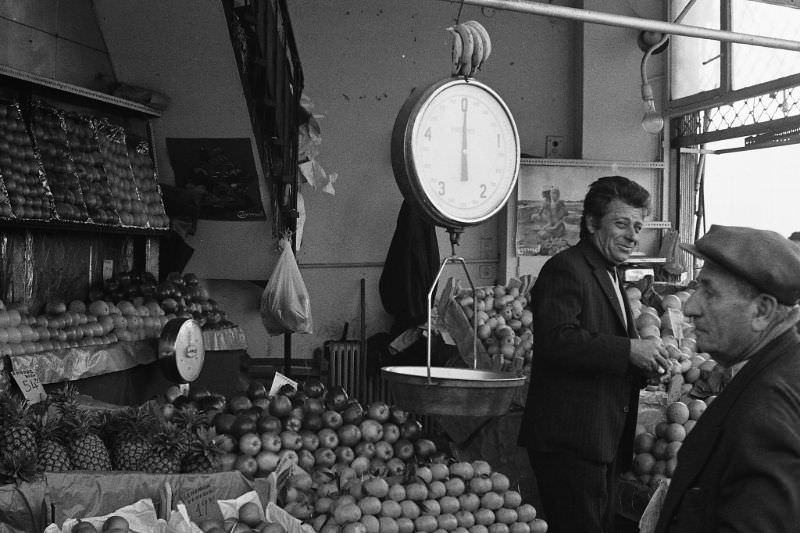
471, 47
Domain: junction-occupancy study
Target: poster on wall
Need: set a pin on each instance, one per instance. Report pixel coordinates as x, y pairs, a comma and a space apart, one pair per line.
550, 196
219, 174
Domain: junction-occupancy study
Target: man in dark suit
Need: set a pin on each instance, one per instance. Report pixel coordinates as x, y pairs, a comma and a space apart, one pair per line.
588, 364
739, 468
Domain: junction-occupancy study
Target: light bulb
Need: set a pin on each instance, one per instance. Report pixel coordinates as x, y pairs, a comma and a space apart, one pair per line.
652, 121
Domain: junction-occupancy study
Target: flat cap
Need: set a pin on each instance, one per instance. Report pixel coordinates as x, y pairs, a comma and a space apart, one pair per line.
766, 259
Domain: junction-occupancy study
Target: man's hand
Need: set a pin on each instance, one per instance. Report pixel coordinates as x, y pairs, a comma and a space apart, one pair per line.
650, 355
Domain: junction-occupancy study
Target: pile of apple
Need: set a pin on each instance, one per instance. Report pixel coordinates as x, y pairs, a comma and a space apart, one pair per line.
361, 469
147, 183
178, 295
504, 323
51, 140
89, 168
656, 453
20, 169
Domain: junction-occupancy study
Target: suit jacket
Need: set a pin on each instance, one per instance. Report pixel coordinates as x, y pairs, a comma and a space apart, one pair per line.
584, 392
739, 468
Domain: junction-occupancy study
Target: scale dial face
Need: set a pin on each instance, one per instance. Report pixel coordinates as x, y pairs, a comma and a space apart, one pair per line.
455, 152
181, 349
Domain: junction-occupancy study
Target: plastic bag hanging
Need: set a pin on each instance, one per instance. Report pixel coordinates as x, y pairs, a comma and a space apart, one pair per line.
285, 304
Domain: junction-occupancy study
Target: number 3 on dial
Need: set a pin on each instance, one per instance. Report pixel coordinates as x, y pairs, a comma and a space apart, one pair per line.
455, 152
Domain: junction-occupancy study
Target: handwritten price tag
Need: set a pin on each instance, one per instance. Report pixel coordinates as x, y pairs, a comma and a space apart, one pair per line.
201, 504
279, 381
28, 382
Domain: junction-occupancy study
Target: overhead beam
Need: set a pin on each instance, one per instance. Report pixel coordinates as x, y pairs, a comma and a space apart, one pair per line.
610, 19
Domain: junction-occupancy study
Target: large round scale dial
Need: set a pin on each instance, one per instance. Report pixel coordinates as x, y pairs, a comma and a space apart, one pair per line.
455, 152
181, 351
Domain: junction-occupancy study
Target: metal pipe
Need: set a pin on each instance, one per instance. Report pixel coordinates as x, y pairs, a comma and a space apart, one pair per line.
584, 15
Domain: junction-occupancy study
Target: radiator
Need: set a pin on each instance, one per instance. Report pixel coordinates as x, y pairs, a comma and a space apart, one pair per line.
347, 367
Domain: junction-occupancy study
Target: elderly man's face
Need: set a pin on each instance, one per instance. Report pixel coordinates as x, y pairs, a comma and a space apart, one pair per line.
722, 313
616, 235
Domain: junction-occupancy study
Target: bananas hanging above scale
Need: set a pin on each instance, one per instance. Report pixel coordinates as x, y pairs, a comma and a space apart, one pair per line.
471, 47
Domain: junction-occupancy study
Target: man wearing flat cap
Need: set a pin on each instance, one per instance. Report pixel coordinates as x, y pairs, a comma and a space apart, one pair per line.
739, 468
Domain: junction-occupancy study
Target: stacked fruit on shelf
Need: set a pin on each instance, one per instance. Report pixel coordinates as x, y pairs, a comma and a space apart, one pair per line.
76, 324
656, 451
695, 373
50, 139
147, 183
117, 165
89, 168
178, 295
504, 322
20, 169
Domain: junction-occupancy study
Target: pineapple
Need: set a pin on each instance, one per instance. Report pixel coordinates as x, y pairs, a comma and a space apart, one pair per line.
129, 438
16, 467
87, 451
168, 450
204, 453
15, 434
50, 434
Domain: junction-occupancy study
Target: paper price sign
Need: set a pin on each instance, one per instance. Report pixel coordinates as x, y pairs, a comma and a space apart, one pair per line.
200, 503
279, 381
28, 382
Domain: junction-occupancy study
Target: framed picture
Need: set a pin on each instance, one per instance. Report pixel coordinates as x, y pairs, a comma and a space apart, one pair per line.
550, 196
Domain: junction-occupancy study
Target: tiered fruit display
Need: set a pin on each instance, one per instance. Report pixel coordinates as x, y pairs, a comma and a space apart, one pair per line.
656, 452
51, 141
20, 168
77, 324
147, 184
699, 374
89, 168
124, 195
504, 323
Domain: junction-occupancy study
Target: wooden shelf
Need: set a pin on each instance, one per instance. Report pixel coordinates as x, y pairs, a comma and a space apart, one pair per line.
75, 90
61, 225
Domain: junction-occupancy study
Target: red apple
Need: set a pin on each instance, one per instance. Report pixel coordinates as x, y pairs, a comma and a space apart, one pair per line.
332, 419
250, 444
313, 421
306, 459
247, 465
396, 466
365, 449
349, 435
328, 438
371, 430
324, 457
269, 424
391, 432
377, 467
293, 423
313, 405
404, 449
424, 448
271, 442
280, 405
267, 461
314, 388
344, 454
291, 440
239, 402
353, 413
243, 424
289, 455
378, 410
384, 450
310, 439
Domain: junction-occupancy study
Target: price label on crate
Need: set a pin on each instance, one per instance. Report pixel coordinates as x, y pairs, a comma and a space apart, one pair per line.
279, 381
200, 503
28, 382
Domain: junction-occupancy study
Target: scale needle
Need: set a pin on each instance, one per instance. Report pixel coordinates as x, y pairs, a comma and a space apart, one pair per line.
464, 162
